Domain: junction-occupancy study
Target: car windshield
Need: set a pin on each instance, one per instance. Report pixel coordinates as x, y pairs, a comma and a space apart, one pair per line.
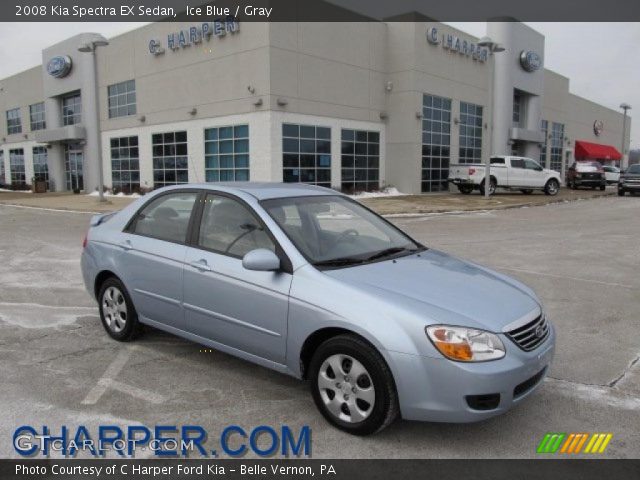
335, 231
588, 166
634, 168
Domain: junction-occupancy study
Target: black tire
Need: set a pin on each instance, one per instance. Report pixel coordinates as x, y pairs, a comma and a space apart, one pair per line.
552, 187
385, 407
621, 193
492, 186
602, 187
465, 189
527, 191
132, 327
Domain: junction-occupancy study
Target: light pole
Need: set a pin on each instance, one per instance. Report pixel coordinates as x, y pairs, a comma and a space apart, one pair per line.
625, 107
493, 48
90, 47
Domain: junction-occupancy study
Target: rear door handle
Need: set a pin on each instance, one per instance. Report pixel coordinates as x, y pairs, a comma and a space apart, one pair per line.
126, 244
201, 265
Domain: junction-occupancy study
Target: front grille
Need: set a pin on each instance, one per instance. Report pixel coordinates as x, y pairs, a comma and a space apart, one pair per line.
529, 336
527, 385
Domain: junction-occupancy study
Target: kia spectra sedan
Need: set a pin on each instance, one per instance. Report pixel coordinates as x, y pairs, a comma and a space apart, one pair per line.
308, 282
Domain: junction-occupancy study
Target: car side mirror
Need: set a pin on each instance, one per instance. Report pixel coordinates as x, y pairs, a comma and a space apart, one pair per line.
261, 260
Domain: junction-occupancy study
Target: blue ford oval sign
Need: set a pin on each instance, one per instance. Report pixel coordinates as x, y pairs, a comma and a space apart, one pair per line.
530, 61
59, 66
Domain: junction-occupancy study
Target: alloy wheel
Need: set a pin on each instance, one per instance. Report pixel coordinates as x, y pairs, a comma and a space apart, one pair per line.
114, 309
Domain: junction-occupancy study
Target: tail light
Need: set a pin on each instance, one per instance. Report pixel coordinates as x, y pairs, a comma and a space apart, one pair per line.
472, 171
84, 240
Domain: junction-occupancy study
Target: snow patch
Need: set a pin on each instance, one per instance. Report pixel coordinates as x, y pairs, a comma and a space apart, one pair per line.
95, 193
33, 315
385, 192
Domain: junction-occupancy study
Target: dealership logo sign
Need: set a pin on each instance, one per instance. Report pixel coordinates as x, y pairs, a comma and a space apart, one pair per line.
598, 127
195, 35
59, 66
457, 44
530, 61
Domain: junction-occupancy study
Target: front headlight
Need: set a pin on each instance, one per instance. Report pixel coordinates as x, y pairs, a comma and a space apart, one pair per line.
465, 344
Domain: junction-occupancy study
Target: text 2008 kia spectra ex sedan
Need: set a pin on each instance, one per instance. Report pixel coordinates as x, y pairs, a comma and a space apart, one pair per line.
306, 281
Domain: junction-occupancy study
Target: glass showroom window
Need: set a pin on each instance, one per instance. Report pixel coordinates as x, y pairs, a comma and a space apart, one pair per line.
3, 180
16, 167
170, 160
122, 99
306, 154
125, 165
36, 116
226, 154
470, 133
544, 128
518, 111
360, 160
557, 138
71, 109
40, 167
436, 141
14, 121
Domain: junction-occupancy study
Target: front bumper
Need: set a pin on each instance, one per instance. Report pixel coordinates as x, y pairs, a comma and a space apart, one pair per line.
629, 187
436, 389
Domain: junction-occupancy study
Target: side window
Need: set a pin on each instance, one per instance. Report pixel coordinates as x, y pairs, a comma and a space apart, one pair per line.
497, 161
517, 163
531, 165
230, 228
167, 217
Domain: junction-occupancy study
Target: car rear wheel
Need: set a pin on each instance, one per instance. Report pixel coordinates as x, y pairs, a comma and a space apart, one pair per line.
492, 186
603, 187
117, 313
465, 189
352, 385
621, 193
552, 187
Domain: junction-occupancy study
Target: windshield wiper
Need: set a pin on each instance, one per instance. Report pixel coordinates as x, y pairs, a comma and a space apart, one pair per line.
390, 251
339, 262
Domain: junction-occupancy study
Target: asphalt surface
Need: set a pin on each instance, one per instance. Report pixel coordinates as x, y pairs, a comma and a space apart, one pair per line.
58, 367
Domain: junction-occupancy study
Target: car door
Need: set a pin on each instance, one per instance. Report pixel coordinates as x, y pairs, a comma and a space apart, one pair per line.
224, 302
517, 173
535, 177
154, 247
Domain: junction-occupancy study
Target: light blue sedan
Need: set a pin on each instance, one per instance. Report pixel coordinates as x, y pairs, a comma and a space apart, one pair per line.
310, 283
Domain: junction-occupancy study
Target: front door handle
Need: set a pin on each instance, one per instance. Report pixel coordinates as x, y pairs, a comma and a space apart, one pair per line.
126, 244
201, 265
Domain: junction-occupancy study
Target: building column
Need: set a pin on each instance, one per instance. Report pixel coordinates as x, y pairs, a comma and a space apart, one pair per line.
55, 152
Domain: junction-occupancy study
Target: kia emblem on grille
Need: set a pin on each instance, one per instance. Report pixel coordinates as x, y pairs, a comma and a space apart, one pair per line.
539, 331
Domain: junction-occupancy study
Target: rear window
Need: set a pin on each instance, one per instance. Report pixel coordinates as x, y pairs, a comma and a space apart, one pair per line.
497, 161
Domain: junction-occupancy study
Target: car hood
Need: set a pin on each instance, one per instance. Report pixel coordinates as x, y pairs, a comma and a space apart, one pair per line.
440, 285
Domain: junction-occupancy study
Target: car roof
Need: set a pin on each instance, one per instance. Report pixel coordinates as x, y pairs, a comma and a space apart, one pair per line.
265, 190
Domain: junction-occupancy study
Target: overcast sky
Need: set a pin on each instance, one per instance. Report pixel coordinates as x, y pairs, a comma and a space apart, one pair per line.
602, 60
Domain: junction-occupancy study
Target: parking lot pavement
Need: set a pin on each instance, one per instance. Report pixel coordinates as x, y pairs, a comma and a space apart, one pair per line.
58, 367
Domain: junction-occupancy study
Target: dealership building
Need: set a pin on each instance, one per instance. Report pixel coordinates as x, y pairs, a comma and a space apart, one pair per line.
352, 106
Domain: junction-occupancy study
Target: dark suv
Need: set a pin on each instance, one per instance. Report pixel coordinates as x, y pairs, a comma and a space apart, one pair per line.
629, 180
586, 174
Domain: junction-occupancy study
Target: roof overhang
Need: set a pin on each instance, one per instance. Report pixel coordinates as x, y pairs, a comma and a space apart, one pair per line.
524, 135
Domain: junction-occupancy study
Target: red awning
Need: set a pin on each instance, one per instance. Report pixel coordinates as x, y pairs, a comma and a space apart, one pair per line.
595, 151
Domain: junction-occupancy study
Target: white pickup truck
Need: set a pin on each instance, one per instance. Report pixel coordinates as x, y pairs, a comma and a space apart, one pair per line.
513, 173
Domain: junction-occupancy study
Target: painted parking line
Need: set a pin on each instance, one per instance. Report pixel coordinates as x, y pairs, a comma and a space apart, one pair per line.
108, 382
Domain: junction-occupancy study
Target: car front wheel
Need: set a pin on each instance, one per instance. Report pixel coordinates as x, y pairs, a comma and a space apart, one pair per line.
352, 385
117, 313
552, 187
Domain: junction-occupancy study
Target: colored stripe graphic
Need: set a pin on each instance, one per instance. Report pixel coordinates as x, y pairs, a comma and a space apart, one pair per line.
573, 443
551, 442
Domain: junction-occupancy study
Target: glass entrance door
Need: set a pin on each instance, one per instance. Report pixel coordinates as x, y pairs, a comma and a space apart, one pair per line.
73, 158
